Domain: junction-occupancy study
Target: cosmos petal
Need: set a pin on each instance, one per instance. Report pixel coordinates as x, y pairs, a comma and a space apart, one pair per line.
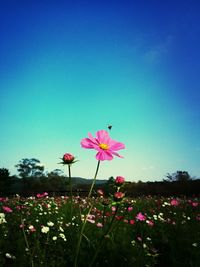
103, 137
87, 143
104, 155
114, 145
116, 154
94, 140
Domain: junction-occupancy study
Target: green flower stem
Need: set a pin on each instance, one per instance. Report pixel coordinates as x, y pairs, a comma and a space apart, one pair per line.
103, 237
94, 180
27, 244
85, 220
103, 217
70, 185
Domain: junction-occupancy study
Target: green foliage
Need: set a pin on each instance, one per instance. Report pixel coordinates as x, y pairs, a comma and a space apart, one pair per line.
5, 180
30, 168
172, 240
181, 176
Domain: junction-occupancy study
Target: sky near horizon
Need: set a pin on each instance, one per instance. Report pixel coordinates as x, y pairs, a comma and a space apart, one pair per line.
72, 67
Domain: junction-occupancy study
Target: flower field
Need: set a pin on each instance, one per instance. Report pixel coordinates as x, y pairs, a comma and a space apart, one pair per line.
146, 231
112, 230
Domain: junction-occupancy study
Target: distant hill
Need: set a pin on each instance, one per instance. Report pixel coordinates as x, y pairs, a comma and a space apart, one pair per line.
80, 181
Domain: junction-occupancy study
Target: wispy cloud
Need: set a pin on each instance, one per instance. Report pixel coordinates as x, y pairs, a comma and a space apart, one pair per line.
155, 53
148, 168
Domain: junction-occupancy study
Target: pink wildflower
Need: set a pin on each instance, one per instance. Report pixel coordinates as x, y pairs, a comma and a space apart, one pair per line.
7, 209
3, 199
130, 209
118, 196
105, 146
195, 204
68, 158
42, 195
150, 223
32, 229
100, 225
140, 217
174, 202
119, 180
100, 192
90, 218
132, 222
113, 208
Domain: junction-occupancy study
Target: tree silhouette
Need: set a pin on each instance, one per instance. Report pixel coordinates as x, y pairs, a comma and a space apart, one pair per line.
180, 176
5, 180
30, 168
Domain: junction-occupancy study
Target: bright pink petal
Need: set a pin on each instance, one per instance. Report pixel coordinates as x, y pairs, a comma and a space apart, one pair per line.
103, 137
94, 140
114, 145
116, 154
104, 155
87, 143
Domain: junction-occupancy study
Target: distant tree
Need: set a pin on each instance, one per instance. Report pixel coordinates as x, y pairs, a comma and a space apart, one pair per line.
109, 186
4, 173
5, 180
57, 180
55, 173
178, 176
30, 168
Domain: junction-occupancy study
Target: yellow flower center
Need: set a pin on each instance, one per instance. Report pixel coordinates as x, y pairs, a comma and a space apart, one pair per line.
103, 146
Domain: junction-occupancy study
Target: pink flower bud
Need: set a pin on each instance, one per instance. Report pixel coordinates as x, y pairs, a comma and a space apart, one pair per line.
7, 209
68, 158
100, 192
118, 196
119, 180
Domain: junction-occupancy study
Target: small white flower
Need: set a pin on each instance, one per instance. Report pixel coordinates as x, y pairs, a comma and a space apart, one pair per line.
144, 245
133, 242
61, 229
63, 236
54, 238
2, 218
195, 245
45, 229
8, 256
50, 224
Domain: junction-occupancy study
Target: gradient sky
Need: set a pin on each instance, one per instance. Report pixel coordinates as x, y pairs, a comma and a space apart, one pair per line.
72, 67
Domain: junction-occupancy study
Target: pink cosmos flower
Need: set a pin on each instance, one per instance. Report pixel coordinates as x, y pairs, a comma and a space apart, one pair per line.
174, 202
100, 225
118, 196
105, 146
140, 217
100, 192
119, 180
68, 158
7, 209
195, 204
42, 195
3, 199
130, 209
150, 223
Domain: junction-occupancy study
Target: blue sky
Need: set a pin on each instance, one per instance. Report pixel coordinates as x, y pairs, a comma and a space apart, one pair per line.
72, 67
